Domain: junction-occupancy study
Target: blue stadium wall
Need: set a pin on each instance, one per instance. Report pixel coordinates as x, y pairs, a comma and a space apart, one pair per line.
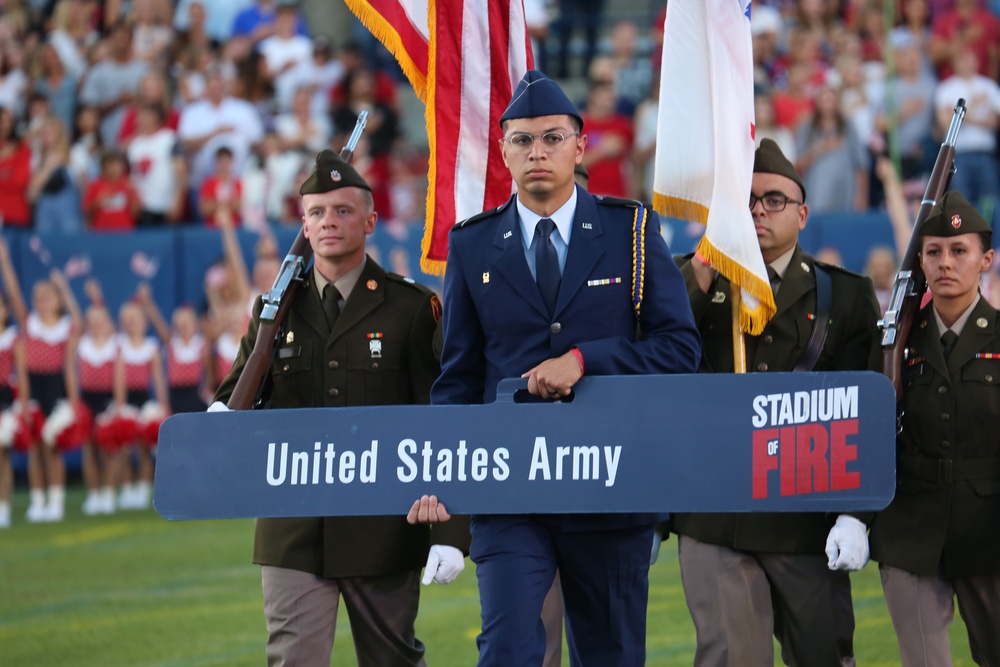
174, 261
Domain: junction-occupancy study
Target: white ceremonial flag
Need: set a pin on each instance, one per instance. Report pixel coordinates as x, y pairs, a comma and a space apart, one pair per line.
705, 142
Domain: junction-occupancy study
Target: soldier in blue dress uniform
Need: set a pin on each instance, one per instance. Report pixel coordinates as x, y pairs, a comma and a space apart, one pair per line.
554, 284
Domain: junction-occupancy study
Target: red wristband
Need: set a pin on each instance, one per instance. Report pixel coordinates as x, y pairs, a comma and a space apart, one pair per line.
579, 358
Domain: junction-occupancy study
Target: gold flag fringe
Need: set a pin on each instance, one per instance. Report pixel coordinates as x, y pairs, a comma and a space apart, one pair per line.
682, 209
430, 265
751, 321
384, 33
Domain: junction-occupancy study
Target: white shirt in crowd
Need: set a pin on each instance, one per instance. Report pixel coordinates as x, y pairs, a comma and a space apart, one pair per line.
308, 73
266, 188
151, 163
982, 100
203, 117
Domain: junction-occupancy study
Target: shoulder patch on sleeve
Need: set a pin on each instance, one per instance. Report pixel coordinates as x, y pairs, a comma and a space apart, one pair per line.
618, 201
484, 215
436, 308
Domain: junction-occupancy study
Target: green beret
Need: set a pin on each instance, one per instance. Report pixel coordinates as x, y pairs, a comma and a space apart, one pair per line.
332, 173
954, 215
768, 159
580, 170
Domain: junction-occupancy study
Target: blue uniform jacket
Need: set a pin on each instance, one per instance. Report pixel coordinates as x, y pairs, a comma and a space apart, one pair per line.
497, 326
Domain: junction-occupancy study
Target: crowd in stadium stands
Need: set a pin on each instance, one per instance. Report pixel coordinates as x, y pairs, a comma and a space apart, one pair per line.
134, 114
142, 113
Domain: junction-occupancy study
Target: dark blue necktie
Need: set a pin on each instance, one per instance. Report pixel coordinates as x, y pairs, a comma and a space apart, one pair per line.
547, 264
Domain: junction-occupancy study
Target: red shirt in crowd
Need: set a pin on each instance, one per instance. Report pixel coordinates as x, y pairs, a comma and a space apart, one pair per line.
790, 110
223, 192
15, 173
984, 29
608, 176
111, 205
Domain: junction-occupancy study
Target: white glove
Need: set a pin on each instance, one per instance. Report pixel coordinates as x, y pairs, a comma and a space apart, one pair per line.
847, 544
444, 563
218, 406
655, 551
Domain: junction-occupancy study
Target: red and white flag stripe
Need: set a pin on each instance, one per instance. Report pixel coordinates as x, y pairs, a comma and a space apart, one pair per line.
401, 25
475, 52
480, 52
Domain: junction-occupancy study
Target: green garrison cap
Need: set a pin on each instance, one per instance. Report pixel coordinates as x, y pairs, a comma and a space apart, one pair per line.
954, 215
332, 173
769, 159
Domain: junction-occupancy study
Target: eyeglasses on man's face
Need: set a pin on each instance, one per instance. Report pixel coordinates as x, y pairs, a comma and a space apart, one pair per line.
773, 202
551, 141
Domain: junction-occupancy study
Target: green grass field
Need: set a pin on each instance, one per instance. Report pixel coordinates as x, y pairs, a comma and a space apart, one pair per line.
133, 589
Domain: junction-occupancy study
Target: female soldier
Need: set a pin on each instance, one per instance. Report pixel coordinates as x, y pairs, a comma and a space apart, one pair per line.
939, 537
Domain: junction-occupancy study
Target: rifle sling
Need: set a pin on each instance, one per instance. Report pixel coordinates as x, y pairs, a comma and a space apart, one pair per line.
824, 302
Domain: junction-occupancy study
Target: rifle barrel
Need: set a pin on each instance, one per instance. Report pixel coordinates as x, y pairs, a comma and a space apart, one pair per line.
910, 283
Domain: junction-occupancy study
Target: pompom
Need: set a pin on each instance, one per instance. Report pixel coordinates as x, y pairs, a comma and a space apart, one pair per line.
31, 428
20, 428
116, 427
84, 420
150, 418
60, 425
9, 423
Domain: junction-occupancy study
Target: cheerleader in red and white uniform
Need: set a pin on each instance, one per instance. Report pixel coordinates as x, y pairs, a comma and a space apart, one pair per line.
227, 344
11, 365
97, 352
50, 343
189, 362
138, 368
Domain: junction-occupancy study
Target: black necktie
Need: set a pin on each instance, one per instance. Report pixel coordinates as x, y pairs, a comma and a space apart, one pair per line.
547, 264
948, 340
331, 304
774, 278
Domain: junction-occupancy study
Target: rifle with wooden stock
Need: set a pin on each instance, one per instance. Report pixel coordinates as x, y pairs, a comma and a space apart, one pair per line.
911, 283
248, 392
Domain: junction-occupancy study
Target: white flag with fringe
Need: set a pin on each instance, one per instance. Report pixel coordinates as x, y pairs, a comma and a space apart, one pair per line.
705, 142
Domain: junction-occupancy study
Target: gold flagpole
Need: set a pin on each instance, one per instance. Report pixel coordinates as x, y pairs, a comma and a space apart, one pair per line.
739, 344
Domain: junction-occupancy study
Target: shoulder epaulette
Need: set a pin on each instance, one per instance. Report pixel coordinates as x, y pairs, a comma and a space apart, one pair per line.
406, 280
833, 268
484, 215
617, 201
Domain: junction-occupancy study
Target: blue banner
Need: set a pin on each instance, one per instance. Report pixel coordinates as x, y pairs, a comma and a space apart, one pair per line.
655, 443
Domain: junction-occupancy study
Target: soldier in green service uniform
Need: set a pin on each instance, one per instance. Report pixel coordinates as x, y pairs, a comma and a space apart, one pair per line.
748, 575
940, 537
354, 335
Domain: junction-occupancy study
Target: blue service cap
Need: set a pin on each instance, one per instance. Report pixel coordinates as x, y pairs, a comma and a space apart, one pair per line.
538, 95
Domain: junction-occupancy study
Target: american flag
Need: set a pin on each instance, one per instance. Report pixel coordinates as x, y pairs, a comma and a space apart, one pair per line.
464, 59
